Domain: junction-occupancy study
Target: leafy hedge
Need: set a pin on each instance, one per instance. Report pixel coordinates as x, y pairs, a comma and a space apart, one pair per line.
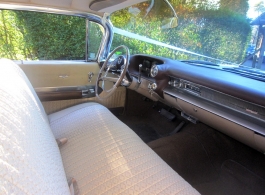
31, 35
11, 39
52, 36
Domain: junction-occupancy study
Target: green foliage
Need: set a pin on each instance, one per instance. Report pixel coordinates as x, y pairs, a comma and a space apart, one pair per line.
121, 21
52, 36
225, 36
32, 35
218, 33
11, 39
237, 6
95, 37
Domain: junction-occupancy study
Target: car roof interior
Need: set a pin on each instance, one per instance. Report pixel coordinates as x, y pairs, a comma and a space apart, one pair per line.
98, 7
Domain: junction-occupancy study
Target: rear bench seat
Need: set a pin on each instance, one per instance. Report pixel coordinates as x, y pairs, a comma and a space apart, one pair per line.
102, 154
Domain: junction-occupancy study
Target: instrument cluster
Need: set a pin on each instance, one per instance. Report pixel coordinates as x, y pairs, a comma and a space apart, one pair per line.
149, 68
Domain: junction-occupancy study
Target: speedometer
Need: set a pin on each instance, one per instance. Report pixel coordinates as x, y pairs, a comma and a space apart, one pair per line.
154, 71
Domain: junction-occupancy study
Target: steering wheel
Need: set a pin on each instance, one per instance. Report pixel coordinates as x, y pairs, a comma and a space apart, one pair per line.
117, 81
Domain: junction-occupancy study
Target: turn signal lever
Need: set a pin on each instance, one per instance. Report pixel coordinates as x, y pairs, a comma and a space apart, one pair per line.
140, 73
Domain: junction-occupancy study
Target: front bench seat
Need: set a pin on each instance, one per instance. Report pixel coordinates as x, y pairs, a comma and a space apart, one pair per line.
102, 154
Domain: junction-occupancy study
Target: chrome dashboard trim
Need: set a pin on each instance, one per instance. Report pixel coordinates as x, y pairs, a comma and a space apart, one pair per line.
251, 109
255, 124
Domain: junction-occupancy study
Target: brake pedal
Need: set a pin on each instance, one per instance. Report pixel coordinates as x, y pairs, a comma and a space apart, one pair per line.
167, 114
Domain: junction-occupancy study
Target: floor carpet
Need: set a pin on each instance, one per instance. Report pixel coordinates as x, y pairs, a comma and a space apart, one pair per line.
210, 161
144, 117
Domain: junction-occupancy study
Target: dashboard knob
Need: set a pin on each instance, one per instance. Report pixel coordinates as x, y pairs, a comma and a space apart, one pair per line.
152, 86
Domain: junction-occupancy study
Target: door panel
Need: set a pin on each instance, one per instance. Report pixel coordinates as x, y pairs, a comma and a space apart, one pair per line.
61, 74
117, 100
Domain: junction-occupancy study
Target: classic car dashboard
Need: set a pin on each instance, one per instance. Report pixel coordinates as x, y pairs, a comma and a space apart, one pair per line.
147, 63
226, 101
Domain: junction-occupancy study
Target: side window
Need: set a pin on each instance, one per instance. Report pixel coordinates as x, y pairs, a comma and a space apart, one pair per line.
95, 37
41, 36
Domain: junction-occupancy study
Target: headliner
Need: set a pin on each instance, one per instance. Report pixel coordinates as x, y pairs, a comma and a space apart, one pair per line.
98, 7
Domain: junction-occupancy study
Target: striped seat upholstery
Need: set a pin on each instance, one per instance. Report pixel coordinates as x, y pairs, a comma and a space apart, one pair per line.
102, 154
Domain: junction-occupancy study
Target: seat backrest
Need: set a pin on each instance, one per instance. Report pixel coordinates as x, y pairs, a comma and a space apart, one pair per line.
30, 160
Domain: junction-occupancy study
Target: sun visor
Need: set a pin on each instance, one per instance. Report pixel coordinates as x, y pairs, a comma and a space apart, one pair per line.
103, 4
110, 6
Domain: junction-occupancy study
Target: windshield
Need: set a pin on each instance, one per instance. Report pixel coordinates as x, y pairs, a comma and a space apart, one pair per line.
215, 31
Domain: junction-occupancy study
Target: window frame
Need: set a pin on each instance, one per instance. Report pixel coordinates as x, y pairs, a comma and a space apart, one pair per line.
107, 35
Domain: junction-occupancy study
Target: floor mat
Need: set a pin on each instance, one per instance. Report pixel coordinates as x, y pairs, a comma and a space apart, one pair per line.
248, 182
234, 179
212, 162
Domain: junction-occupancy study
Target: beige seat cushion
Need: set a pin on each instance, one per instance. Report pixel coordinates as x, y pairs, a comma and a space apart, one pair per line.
102, 154
107, 157
30, 161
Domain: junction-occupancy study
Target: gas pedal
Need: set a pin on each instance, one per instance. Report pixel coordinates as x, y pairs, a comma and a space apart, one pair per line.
167, 114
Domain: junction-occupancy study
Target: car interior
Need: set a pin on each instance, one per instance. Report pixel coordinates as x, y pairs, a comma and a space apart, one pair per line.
122, 123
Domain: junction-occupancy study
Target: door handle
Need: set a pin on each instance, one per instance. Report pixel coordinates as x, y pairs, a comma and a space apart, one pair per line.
63, 76
90, 75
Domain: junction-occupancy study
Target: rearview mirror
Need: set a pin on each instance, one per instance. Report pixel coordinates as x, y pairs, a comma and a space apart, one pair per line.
169, 23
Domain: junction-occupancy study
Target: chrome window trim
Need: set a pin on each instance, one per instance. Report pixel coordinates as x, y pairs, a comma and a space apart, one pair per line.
106, 42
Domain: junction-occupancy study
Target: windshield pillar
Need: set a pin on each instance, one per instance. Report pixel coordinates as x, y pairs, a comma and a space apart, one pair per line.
262, 49
87, 38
